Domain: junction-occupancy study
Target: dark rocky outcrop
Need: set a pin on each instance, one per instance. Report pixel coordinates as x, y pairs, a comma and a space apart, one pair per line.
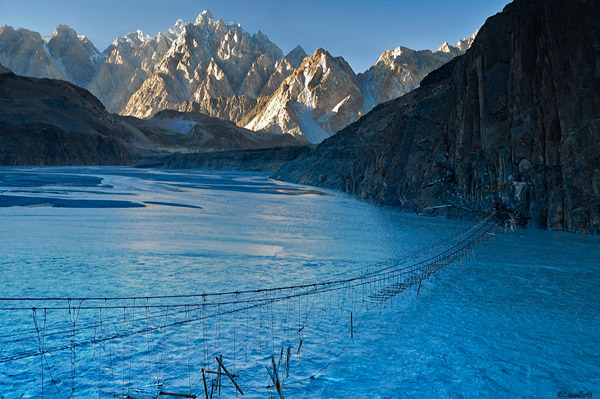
263, 160
185, 132
513, 123
53, 122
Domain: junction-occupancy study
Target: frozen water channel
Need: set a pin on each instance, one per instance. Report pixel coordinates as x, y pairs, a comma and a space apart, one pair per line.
521, 319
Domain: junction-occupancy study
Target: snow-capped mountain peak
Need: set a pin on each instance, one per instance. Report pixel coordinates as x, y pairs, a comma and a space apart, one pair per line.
178, 28
464, 44
397, 52
315, 101
444, 48
400, 70
204, 18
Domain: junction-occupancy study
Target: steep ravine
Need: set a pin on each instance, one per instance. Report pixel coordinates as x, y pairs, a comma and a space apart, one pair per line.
512, 124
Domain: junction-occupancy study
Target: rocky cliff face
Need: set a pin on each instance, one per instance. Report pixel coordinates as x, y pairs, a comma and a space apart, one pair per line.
514, 123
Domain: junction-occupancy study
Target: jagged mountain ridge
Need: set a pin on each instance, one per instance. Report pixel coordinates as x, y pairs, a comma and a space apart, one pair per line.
321, 97
324, 95
209, 60
401, 70
513, 124
63, 55
223, 71
128, 62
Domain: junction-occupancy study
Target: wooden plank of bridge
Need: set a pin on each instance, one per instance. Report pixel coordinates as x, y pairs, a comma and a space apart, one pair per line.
230, 376
277, 381
287, 361
219, 377
179, 395
275, 377
217, 373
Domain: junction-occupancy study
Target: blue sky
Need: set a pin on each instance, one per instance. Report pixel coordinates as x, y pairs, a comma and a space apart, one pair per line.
358, 30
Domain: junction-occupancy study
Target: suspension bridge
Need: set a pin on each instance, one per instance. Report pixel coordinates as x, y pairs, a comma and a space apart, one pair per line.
208, 344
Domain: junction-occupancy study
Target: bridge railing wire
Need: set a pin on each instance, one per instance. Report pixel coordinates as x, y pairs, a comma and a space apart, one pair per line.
377, 283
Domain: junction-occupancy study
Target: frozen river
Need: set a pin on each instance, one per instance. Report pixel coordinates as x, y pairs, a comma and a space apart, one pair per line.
520, 319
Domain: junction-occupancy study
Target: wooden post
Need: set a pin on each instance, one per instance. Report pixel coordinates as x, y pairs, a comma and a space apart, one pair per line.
180, 395
299, 346
273, 380
287, 361
351, 326
280, 358
275, 377
276, 374
419, 288
219, 378
230, 376
205, 386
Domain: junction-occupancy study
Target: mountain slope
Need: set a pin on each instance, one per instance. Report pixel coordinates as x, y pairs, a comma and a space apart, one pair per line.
321, 97
62, 55
401, 70
193, 132
208, 60
514, 123
324, 95
53, 122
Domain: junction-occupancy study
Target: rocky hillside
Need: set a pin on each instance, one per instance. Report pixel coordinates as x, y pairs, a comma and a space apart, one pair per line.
193, 132
222, 71
53, 122
263, 160
512, 124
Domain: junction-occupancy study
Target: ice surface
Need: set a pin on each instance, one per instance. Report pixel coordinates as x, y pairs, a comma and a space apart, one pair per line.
519, 320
